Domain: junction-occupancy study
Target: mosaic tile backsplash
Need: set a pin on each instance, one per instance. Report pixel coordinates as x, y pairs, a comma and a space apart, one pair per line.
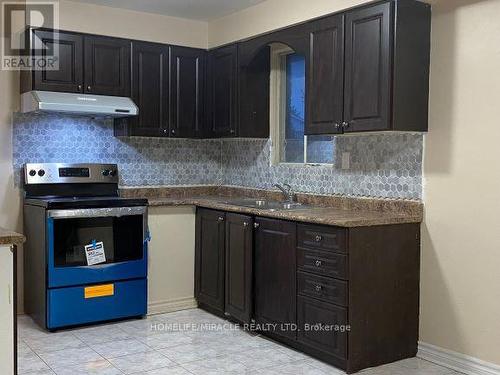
381, 165
142, 161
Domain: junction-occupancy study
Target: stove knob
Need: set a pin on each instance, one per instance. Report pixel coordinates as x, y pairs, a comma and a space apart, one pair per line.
112, 172
105, 172
41, 173
32, 173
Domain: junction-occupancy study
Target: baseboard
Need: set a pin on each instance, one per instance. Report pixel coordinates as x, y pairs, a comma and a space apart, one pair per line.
456, 361
161, 307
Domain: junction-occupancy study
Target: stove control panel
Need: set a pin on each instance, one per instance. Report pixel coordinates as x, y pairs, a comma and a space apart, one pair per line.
58, 173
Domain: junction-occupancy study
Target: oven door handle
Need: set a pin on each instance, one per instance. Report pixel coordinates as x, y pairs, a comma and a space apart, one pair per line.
96, 212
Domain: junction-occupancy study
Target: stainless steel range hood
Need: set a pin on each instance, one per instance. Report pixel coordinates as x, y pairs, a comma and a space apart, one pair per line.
81, 104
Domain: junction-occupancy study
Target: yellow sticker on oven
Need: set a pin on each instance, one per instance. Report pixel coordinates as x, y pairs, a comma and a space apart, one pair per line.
99, 291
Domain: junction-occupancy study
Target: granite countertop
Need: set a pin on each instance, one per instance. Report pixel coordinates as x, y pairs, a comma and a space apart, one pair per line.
8, 237
312, 214
321, 209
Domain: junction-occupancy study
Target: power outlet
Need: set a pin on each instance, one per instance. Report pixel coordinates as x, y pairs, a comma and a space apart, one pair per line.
346, 160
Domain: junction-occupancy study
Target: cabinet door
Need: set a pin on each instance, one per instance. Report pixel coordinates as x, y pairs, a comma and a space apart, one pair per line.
254, 96
188, 79
223, 95
69, 76
275, 275
326, 76
209, 262
322, 326
239, 267
107, 66
150, 89
367, 68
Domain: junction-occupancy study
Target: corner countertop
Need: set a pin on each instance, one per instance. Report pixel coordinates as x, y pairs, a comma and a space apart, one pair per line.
8, 237
327, 210
312, 214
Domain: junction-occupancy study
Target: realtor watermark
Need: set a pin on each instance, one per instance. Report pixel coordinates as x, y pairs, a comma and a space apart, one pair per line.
23, 49
251, 327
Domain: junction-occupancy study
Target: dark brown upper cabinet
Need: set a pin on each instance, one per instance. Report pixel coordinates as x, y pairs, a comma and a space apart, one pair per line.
326, 76
69, 76
386, 54
209, 258
187, 91
107, 66
254, 96
367, 75
275, 275
150, 91
223, 92
87, 64
239, 267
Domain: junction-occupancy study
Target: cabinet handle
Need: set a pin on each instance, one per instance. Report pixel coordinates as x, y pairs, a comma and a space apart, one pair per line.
318, 263
173, 131
245, 224
231, 131
89, 88
337, 126
345, 124
220, 219
256, 225
318, 288
79, 87
318, 238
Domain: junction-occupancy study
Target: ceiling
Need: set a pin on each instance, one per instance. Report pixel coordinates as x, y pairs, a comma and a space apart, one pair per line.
204, 10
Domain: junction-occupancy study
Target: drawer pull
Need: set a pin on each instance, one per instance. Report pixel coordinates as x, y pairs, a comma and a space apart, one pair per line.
318, 238
220, 219
318, 288
318, 263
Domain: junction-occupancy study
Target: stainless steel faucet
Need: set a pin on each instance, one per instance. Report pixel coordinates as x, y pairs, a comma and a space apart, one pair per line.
287, 191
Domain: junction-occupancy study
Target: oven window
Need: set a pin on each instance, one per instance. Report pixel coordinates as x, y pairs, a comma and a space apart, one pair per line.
122, 238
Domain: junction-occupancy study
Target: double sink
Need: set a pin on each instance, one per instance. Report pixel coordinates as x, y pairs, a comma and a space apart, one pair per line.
268, 205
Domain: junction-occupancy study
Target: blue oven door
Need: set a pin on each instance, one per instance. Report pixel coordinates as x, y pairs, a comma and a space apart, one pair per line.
119, 235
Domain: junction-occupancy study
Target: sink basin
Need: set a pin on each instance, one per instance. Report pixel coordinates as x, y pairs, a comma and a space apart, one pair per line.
266, 204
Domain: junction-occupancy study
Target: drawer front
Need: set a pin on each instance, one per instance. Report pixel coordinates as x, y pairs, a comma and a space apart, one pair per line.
87, 304
321, 237
323, 288
322, 326
322, 263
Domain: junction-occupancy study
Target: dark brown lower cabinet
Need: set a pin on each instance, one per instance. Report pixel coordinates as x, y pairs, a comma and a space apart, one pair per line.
209, 259
239, 267
347, 296
275, 276
322, 326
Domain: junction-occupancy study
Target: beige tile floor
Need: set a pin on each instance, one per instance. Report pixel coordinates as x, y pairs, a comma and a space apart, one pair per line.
179, 343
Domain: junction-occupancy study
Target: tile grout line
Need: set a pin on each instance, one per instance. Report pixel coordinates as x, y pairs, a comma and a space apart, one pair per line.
41, 359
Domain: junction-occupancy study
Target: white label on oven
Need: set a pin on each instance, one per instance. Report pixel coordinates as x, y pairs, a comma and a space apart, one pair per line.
95, 253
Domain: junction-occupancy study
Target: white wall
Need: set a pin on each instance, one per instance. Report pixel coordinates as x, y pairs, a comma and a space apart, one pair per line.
270, 15
10, 198
460, 308
95, 19
6, 311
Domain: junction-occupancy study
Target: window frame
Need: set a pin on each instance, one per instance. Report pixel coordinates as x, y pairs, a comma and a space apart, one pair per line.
277, 108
